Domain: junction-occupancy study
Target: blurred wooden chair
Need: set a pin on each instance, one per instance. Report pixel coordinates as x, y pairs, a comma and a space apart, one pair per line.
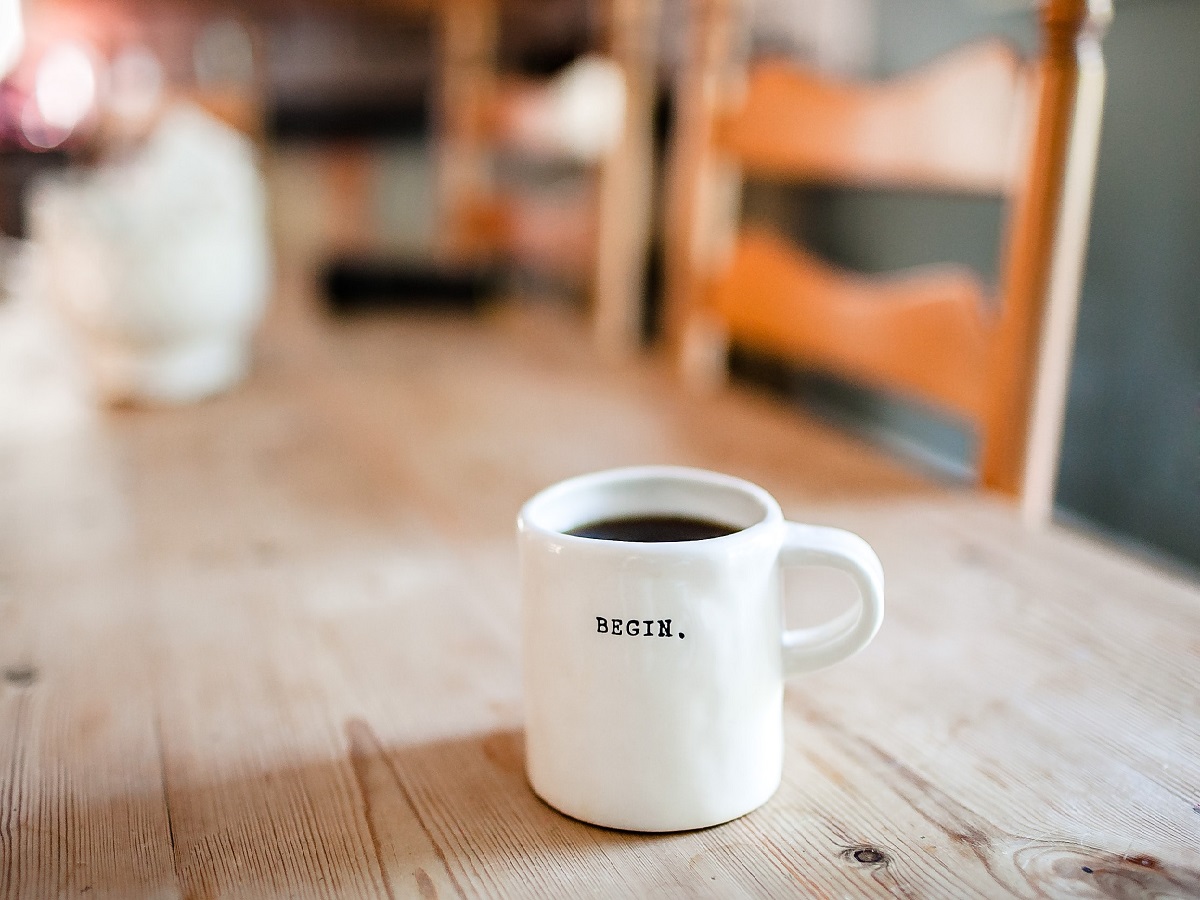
602, 237
980, 121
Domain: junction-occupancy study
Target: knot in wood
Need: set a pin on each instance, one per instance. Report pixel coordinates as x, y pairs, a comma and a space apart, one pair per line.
869, 856
20, 676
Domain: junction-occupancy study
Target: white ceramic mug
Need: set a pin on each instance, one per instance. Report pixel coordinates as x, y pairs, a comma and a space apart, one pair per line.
654, 670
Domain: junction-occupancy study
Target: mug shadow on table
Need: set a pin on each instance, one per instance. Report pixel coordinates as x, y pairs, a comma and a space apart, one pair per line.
448, 818
456, 817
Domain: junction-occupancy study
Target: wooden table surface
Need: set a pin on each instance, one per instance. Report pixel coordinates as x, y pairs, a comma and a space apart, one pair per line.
268, 645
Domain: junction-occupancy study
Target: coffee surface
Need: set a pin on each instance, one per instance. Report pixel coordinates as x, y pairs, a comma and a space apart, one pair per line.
653, 529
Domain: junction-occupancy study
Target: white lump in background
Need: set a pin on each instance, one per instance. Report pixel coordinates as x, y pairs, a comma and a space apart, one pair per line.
163, 260
579, 112
589, 106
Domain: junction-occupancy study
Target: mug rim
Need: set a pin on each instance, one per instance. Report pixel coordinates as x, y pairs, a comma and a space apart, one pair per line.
528, 520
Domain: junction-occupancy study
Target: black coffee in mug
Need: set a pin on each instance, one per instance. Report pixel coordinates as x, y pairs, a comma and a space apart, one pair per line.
653, 529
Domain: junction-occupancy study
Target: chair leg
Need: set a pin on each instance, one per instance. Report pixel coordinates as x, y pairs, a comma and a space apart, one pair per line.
625, 204
467, 44
703, 194
350, 220
703, 353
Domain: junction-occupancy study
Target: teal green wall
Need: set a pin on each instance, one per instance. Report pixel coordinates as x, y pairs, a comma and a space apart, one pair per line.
1131, 457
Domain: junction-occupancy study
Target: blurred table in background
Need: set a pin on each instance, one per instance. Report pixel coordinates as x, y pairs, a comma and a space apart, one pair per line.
267, 645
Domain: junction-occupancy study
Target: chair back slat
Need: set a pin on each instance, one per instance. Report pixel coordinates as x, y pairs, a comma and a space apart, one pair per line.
922, 332
556, 236
948, 126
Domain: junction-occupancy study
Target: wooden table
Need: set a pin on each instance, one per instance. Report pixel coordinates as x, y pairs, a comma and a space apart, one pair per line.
268, 645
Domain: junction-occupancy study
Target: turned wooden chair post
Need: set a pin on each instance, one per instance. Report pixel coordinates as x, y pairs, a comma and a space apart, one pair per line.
1032, 350
467, 33
703, 192
626, 191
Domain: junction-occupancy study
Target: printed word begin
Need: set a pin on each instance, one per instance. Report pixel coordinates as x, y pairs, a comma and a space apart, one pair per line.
633, 627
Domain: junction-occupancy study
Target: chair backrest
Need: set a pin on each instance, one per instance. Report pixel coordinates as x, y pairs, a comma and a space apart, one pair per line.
603, 234
978, 121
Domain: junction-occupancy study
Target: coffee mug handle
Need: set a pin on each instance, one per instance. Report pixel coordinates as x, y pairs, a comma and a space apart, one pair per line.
809, 649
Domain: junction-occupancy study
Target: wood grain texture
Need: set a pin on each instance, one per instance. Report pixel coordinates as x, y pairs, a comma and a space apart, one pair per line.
950, 125
267, 645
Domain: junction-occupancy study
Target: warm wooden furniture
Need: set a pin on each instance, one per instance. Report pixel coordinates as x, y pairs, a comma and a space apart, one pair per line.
603, 235
977, 121
267, 646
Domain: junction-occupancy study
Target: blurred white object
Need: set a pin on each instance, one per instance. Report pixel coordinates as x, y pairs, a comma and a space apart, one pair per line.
580, 112
65, 87
163, 261
589, 106
12, 35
